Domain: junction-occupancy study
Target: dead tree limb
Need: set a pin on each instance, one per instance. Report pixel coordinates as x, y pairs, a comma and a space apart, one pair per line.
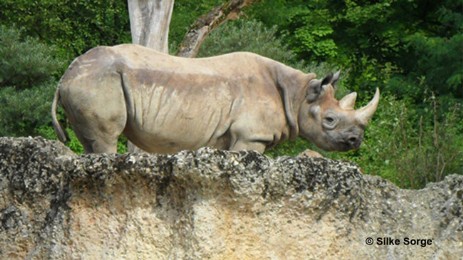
208, 22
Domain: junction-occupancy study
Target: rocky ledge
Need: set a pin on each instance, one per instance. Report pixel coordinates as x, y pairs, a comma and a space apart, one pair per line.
214, 204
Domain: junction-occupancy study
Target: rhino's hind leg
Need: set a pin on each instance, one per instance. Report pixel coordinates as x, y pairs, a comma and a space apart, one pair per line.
97, 143
98, 114
98, 134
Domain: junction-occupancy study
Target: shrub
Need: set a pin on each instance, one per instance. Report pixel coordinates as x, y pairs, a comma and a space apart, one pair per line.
48, 132
24, 111
73, 26
24, 61
249, 36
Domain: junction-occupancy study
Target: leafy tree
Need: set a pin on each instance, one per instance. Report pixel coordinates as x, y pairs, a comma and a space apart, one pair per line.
306, 25
249, 36
436, 50
23, 112
414, 43
75, 26
26, 83
25, 62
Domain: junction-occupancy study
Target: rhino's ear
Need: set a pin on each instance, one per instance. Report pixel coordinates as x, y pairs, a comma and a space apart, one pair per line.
314, 90
336, 77
327, 80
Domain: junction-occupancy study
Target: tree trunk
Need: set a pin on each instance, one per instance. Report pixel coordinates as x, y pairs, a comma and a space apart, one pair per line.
149, 22
208, 22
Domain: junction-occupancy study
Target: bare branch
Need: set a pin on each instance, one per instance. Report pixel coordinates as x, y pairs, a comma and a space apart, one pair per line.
208, 22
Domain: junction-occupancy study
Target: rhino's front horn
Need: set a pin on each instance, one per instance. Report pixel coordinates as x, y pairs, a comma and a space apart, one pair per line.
365, 113
348, 101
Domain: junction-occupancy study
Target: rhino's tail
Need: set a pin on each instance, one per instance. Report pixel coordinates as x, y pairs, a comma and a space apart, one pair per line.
62, 135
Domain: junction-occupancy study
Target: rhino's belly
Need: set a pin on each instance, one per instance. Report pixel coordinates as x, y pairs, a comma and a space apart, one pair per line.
169, 146
172, 132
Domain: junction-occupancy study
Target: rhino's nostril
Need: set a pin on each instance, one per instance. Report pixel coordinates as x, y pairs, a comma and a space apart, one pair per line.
352, 140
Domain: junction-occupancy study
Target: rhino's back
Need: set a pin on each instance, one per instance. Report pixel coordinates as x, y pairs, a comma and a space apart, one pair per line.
227, 65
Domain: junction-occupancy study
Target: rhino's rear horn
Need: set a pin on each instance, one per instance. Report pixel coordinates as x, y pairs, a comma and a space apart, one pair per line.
365, 113
348, 101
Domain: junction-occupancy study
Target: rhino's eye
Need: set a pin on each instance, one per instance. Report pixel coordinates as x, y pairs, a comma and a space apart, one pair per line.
330, 122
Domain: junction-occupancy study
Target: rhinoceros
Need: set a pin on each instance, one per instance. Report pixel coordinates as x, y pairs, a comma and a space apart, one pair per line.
236, 101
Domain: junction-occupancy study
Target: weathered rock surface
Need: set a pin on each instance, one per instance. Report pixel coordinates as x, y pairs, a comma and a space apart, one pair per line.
211, 204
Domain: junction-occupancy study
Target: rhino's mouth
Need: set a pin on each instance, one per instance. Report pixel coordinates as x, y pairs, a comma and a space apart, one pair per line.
342, 142
351, 143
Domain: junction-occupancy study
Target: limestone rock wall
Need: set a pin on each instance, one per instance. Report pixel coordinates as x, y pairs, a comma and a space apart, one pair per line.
211, 204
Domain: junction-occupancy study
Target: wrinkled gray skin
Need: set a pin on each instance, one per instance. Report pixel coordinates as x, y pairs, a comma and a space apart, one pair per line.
238, 101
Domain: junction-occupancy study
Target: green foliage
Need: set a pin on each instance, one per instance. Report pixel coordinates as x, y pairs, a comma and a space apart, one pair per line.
25, 62
27, 85
372, 74
311, 34
24, 111
306, 26
439, 62
48, 132
407, 41
75, 26
249, 36
290, 148
74, 143
122, 144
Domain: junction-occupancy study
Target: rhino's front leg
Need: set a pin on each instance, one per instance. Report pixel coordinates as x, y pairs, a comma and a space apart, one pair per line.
248, 145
